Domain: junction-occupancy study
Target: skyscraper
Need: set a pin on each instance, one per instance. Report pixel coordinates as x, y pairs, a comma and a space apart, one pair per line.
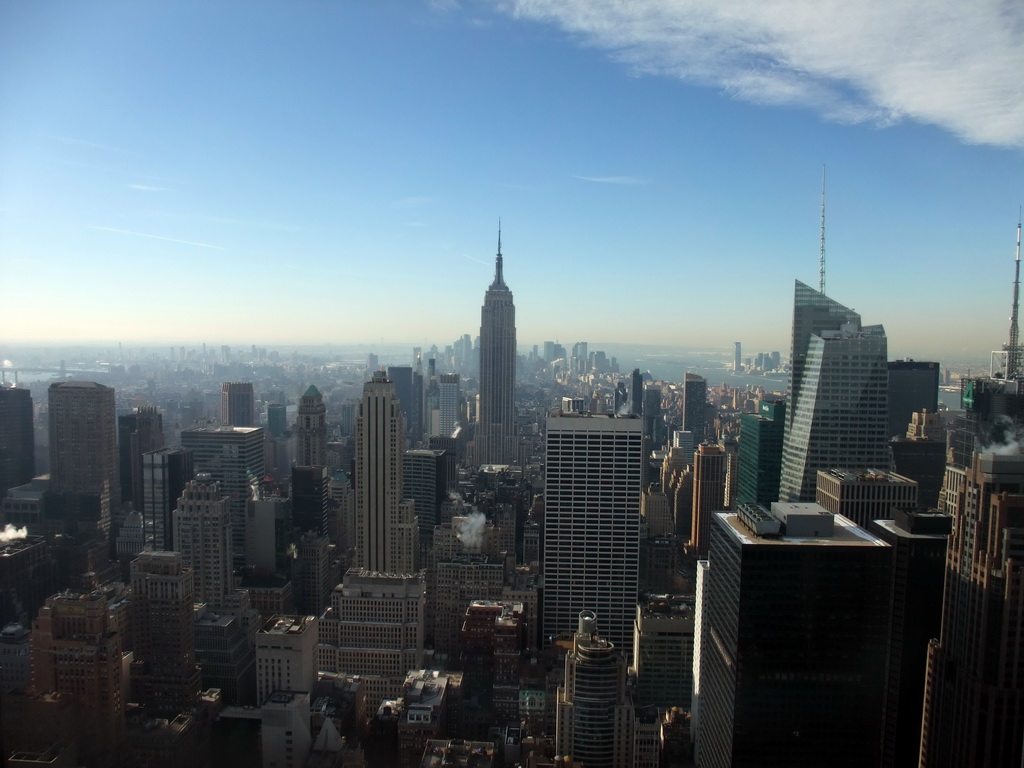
165, 676
17, 440
709, 465
760, 456
450, 403
233, 456
594, 716
695, 406
137, 433
636, 393
496, 431
202, 534
83, 445
974, 690
387, 539
793, 641
311, 430
164, 475
913, 387
593, 489
837, 415
237, 404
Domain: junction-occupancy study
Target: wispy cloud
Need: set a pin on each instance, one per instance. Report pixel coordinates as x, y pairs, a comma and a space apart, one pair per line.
949, 63
148, 188
612, 179
159, 237
93, 145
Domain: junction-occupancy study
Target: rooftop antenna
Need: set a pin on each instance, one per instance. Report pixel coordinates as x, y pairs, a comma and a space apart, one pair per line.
1013, 350
499, 278
821, 261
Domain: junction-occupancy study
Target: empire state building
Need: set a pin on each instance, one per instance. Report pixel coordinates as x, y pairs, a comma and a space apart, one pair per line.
496, 431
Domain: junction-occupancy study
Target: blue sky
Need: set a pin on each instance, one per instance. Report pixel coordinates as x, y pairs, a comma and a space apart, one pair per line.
274, 172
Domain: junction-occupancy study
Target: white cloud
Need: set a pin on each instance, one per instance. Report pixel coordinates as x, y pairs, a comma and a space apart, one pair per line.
158, 237
147, 188
948, 63
612, 179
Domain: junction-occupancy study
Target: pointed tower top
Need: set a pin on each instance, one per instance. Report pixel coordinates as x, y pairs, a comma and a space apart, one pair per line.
499, 277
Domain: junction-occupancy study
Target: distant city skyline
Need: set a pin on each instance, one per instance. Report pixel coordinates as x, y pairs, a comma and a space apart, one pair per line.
335, 172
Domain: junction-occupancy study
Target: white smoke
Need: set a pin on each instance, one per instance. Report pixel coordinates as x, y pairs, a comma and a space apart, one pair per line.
1003, 438
471, 530
10, 533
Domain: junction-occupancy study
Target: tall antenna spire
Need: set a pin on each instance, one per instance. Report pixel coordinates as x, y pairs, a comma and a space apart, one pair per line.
821, 262
1013, 350
499, 278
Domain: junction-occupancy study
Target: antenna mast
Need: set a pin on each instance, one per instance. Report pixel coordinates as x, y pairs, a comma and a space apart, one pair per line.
1013, 350
821, 263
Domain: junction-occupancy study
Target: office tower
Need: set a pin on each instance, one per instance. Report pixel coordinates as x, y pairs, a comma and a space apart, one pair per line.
793, 646
921, 456
918, 541
225, 650
737, 357
496, 431
695, 407
709, 464
491, 642
974, 695
654, 423
164, 673
165, 473
837, 415
913, 386
286, 655
374, 628
233, 457
427, 476
636, 393
137, 433
401, 377
432, 403
17, 439
311, 499
83, 446
237, 404
455, 580
663, 651
277, 419
76, 653
863, 495
203, 536
285, 736
312, 577
760, 456
387, 540
593, 490
28, 576
450, 403
415, 419
594, 717
311, 430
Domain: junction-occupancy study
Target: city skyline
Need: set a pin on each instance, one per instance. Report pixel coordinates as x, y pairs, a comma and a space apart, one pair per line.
229, 150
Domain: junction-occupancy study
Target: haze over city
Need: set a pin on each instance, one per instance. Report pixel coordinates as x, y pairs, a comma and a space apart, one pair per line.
331, 172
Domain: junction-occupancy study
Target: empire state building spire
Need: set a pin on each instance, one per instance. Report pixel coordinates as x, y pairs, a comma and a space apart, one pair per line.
496, 432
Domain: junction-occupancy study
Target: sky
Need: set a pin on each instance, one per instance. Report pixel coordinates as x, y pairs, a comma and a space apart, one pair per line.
334, 171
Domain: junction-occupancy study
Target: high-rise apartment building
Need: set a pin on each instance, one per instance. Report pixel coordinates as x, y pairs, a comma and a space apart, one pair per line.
793, 640
164, 474
237, 404
83, 445
695, 406
164, 672
387, 539
594, 715
311, 430
837, 415
593, 493
974, 694
233, 457
496, 431
17, 439
137, 433
286, 655
202, 534
760, 454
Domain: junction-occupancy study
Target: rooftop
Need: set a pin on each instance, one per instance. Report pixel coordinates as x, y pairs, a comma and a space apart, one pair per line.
846, 533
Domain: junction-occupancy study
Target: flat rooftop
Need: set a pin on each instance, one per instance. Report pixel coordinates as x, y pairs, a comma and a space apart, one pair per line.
846, 533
